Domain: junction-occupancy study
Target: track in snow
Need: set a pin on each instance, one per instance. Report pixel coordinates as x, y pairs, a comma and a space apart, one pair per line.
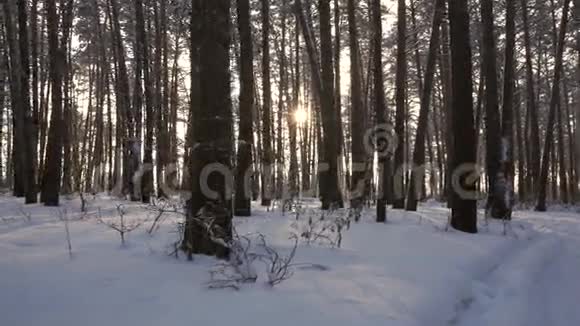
534, 285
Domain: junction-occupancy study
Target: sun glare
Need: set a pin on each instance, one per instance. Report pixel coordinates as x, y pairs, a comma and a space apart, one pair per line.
300, 116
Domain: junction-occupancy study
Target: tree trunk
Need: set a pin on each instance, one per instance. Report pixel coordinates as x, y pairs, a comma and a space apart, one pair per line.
573, 178
338, 94
267, 156
246, 134
35, 89
293, 178
534, 133
380, 107
464, 211
126, 124
52, 171
16, 100
577, 110
163, 115
282, 97
359, 155
522, 187
493, 128
213, 135
562, 177
400, 99
331, 196
504, 187
448, 110
555, 99
419, 152
143, 59
4, 81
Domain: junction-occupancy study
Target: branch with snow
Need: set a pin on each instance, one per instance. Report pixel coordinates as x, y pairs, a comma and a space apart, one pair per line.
280, 268
238, 269
122, 227
323, 227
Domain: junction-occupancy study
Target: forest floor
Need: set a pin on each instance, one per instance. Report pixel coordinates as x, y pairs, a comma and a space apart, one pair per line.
410, 271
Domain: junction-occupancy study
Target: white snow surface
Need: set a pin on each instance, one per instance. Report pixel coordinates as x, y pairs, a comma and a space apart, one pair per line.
410, 271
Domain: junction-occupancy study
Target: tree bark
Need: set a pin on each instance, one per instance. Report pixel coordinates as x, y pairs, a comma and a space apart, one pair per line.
401, 103
267, 156
293, 177
577, 110
246, 134
464, 211
51, 180
534, 133
555, 99
504, 195
418, 172
493, 127
357, 124
126, 124
142, 58
380, 106
331, 196
212, 135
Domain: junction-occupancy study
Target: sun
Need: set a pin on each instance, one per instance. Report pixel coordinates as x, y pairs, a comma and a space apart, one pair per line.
300, 116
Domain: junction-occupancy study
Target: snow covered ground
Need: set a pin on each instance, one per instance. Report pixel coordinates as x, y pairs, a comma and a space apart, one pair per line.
410, 271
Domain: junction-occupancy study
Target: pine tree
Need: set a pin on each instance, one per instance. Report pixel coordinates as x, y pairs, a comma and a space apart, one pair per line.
331, 195
379, 103
267, 155
554, 102
51, 180
401, 103
212, 134
493, 128
359, 156
246, 134
464, 209
419, 152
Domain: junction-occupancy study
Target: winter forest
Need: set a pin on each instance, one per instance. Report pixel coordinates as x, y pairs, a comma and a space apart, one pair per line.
336, 162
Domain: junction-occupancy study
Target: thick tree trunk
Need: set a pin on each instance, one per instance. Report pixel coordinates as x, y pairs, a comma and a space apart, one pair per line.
213, 136
246, 134
52, 171
464, 212
357, 123
331, 195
